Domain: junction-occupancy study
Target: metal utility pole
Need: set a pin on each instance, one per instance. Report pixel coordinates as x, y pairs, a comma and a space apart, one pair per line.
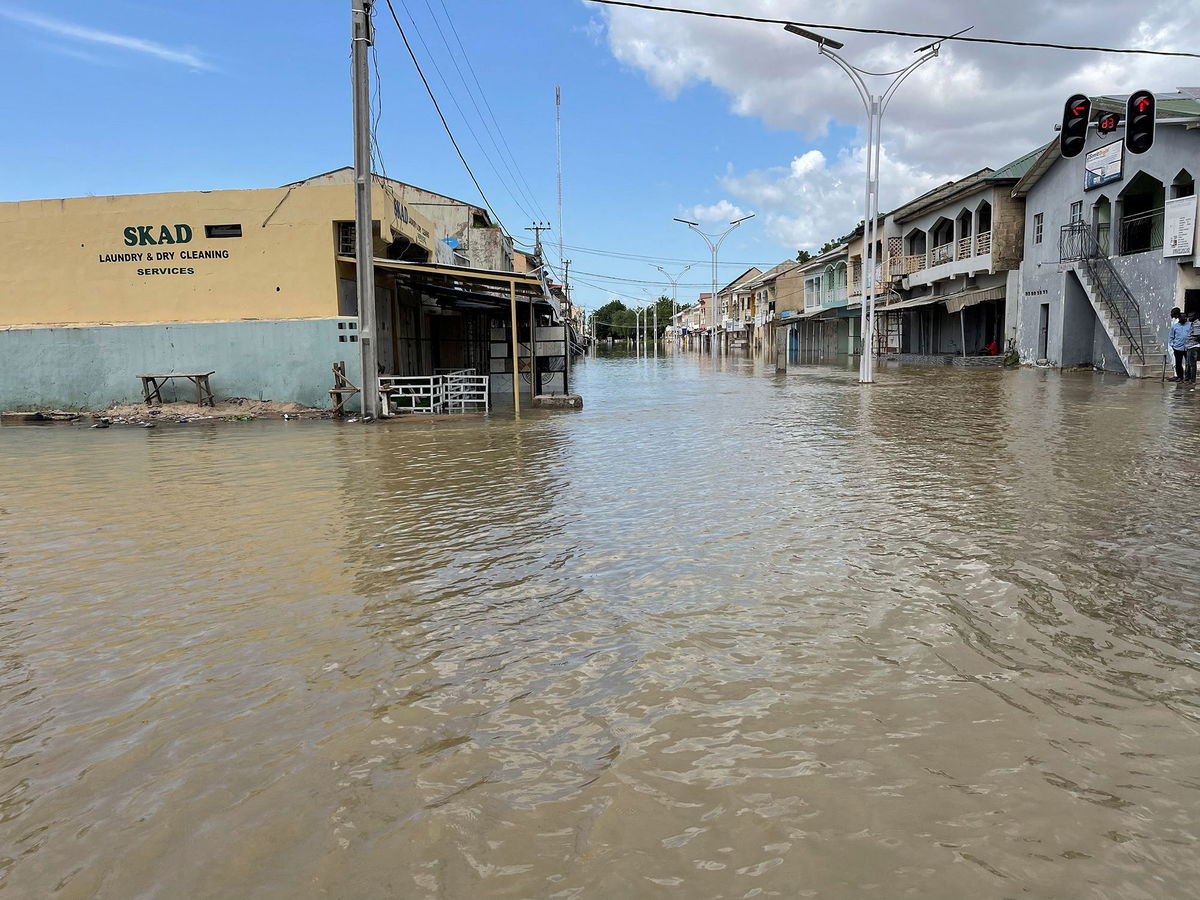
714, 247
362, 37
875, 105
674, 298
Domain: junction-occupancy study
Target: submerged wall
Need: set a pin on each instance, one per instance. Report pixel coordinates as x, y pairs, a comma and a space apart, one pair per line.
97, 366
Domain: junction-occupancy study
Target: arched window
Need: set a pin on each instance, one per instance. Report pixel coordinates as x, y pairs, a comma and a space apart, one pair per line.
941, 235
1142, 215
1102, 223
1183, 185
915, 242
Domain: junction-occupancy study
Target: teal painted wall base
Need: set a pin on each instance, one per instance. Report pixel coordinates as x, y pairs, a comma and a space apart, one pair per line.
97, 366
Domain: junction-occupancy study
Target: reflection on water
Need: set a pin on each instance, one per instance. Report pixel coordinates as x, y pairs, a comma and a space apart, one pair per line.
721, 634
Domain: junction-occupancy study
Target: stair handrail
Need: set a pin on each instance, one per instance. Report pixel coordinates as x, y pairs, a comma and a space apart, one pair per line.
1078, 243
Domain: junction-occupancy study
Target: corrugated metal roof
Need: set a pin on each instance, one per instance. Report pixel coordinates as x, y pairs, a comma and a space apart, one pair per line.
942, 195
1016, 169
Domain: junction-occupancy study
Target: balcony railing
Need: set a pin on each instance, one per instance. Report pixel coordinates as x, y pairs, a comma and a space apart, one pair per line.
942, 253
1142, 232
896, 266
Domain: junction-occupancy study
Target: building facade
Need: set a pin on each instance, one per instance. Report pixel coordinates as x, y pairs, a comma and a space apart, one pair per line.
1110, 245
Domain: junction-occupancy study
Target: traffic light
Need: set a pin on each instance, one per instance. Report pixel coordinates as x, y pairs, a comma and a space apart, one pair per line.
1139, 121
1108, 123
1073, 135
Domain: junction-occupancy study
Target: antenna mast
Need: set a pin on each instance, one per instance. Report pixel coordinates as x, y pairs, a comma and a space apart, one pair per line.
558, 151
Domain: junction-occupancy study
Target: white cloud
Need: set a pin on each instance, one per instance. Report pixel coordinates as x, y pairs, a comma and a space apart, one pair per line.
975, 105
183, 57
813, 200
721, 211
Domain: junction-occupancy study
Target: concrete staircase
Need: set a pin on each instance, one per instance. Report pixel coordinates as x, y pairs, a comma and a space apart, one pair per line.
1106, 309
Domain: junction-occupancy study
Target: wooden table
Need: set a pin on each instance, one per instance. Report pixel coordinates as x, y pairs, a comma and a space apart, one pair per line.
152, 385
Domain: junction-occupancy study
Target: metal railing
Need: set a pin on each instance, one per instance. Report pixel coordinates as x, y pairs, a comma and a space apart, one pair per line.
983, 243
942, 253
465, 390
1077, 243
448, 390
1142, 232
412, 394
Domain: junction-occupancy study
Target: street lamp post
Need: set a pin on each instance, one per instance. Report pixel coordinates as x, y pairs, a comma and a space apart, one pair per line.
714, 247
875, 105
674, 299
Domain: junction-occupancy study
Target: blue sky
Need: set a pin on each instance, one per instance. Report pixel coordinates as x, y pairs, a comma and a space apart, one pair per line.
660, 116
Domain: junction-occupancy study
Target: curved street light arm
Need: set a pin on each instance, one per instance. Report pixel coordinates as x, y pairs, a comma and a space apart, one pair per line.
891, 91
860, 85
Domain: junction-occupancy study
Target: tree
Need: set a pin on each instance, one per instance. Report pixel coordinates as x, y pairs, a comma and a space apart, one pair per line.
803, 256
608, 316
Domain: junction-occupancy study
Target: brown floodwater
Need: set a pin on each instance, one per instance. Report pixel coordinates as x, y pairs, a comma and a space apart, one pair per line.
721, 634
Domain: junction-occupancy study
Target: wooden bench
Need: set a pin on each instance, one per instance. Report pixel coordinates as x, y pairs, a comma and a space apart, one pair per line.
152, 385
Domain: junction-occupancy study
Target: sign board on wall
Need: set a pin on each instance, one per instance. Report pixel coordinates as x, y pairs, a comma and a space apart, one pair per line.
1179, 226
1103, 165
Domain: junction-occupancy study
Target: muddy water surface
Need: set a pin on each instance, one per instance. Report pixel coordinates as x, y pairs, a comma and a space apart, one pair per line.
720, 635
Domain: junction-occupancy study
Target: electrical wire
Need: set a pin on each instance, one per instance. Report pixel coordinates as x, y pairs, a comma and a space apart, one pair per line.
441, 115
528, 191
488, 157
894, 33
487, 128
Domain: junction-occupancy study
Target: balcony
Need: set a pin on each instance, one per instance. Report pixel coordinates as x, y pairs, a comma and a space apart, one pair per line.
834, 298
965, 248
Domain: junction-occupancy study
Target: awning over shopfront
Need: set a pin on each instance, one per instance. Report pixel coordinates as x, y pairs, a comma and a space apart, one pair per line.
908, 304
958, 302
954, 302
459, 287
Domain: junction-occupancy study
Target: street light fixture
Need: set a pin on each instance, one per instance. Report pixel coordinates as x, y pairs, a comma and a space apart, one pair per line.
875, 105
714, 247
674, 298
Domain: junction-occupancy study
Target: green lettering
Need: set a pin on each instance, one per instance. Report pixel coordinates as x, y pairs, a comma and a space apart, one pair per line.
164, 236
144, 236
183, 234
131, 236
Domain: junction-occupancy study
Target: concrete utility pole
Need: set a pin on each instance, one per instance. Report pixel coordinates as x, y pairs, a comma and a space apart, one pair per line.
875, 105
362, 37
537, 228
714, 247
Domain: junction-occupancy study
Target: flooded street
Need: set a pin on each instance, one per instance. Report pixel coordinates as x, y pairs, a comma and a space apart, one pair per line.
721, 634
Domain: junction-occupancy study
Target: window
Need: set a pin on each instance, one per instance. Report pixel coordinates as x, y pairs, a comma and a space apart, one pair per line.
346, 241
1037, 228
222, 231
1076, 212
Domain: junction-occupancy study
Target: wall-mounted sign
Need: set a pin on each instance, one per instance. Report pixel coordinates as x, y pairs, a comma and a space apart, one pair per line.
1103, 165
159, 235
1179, 226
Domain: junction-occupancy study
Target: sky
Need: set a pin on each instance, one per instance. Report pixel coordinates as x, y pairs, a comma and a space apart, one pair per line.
663, 115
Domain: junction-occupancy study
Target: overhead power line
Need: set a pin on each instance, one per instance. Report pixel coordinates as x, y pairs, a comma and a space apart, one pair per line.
893, 33
442, 116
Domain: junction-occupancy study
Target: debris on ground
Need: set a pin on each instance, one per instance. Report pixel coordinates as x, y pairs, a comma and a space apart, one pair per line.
232, 409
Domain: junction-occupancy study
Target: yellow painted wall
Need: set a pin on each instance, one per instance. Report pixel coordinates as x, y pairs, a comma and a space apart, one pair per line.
52, 252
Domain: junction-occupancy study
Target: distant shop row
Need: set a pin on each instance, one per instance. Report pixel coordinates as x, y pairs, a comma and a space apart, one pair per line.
1045, 260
